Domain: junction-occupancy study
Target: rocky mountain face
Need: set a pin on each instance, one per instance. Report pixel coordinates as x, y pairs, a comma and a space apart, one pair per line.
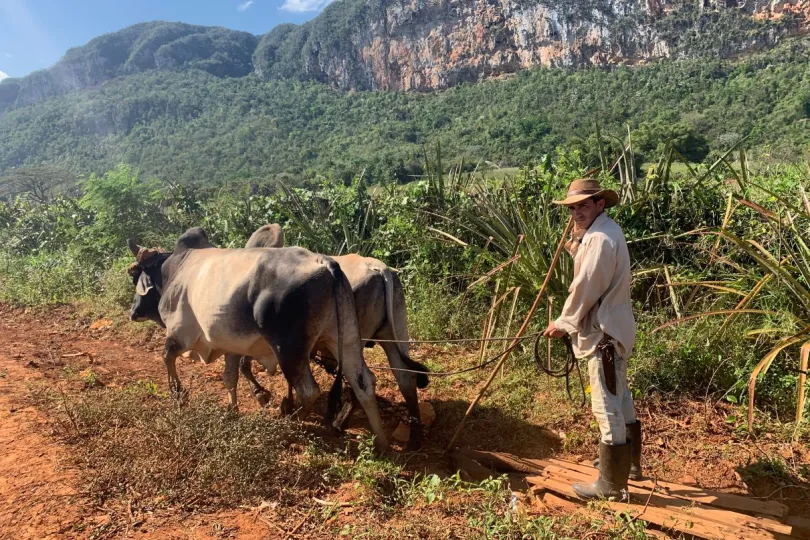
433, 44
427, 44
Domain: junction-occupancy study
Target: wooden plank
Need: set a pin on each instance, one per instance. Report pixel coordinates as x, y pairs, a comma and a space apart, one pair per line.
801, 526
473, 470
505, 462
674, 519
693, 493
560, 504
664, 501
719, 515
550, 500
501, 461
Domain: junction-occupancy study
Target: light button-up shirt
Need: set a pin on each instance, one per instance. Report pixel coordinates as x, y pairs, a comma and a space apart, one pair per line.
599, 301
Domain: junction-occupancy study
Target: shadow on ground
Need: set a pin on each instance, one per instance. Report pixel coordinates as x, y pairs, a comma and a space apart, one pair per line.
773, 478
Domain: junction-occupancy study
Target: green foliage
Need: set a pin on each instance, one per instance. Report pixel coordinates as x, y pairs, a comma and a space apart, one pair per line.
192, 127
123, 206
436, 231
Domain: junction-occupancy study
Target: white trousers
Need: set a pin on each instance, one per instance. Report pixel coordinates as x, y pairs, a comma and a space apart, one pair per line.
612, 412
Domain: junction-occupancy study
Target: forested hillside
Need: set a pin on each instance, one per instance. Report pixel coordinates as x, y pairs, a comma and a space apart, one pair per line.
191, 126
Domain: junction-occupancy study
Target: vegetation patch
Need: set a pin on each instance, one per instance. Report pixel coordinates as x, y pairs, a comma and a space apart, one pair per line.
137, 444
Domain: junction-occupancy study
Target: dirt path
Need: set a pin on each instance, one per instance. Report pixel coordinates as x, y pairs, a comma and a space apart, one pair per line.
55, 348
37, 490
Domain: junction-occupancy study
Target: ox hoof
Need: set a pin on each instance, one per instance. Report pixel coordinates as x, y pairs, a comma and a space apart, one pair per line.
263, 399
333, 428
415, 440
287, 407
381, 446
341, 421
180, 397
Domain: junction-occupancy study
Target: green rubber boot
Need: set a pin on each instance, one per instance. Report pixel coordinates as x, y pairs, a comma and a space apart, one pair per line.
614, 469
634, 438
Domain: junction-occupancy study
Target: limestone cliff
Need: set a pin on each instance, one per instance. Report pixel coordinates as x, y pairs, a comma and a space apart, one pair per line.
434, 44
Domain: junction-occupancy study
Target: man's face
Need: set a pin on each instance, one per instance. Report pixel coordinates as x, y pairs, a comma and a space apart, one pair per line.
585, 212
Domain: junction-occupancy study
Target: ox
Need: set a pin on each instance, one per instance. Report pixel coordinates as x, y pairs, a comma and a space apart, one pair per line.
275, 305
381, 314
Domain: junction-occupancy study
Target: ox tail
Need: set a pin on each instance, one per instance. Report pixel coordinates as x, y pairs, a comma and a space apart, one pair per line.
335, 398
421, 378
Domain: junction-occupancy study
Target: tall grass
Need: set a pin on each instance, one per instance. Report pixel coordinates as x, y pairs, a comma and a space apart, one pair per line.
766, 260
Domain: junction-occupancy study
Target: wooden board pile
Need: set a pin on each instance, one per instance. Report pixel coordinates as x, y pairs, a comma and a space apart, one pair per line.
673, 508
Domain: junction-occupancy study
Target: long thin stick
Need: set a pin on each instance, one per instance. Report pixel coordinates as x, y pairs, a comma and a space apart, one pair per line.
485, 331
511, 314
509, 275
803, 359
672, 296
550, 320
525, 325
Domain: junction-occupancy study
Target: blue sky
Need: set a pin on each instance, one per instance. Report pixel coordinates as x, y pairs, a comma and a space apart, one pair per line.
34, 34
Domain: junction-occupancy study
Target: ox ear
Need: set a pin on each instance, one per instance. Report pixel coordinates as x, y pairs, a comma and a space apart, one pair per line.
144, 285
133, 247
279, 236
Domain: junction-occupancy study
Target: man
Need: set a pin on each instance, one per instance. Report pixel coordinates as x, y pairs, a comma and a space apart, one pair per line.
599, 318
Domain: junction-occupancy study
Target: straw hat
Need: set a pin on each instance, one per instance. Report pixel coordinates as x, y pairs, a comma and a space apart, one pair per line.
585, 188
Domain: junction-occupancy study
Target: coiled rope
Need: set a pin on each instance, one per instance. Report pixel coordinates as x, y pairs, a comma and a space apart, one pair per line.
568, 366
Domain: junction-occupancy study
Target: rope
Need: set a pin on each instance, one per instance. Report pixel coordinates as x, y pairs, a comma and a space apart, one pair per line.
320, 358
460, 340
570, 364
565, 371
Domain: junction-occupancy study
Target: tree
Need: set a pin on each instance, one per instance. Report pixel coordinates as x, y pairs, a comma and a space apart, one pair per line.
40, 183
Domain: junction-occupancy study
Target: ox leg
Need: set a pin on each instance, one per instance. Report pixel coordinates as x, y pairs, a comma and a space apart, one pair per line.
342, 420
231, 379
294, 363
362, 381
306, 389
287, 406
259, 392
171, 350
407, 386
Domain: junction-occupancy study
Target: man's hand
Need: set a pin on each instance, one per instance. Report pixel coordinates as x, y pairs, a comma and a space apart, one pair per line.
553, 332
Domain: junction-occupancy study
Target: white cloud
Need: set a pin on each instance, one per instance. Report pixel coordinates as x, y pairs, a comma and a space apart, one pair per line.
244, 6
300, 6
8, 55
3, 75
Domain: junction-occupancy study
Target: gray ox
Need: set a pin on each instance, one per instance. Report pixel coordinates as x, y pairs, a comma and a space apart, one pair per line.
381, 314
275, 305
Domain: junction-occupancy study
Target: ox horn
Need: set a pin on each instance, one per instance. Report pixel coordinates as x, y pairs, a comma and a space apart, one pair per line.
133, 247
